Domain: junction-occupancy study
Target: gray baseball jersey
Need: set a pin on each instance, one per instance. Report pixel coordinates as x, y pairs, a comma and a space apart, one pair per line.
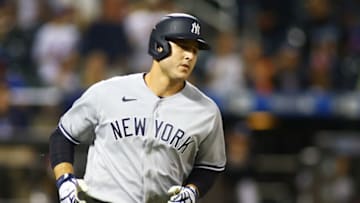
143, 144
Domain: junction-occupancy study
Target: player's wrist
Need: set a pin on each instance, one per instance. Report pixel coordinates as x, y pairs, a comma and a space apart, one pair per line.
195, 189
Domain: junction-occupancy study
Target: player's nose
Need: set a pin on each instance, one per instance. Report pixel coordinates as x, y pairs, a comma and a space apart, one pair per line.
189, 55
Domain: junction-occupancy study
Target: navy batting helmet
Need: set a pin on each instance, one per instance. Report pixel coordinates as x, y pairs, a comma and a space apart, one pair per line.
174, 26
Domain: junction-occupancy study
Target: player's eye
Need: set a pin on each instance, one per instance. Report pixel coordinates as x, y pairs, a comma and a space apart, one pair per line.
187, 45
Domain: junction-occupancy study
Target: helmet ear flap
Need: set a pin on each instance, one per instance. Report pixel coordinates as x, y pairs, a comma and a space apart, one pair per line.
159, 47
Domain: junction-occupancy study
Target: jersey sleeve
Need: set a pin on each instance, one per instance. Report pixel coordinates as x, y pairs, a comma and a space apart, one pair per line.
211, 154
78, 123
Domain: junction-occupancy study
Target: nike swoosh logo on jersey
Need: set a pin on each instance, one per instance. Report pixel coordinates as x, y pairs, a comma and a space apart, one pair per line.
124, 99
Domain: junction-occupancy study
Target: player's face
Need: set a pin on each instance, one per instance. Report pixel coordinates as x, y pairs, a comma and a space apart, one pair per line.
182, 60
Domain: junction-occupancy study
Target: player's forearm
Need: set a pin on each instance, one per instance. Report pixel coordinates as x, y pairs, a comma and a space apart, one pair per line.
61, 154
202, 180
62, 169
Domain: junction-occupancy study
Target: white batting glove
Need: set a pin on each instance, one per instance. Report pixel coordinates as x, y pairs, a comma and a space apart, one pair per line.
182, 194
69, 188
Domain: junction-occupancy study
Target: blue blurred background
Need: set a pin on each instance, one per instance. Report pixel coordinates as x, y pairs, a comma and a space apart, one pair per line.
285, 74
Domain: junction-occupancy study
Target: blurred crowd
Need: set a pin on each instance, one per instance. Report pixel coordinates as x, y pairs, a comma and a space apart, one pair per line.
277, 46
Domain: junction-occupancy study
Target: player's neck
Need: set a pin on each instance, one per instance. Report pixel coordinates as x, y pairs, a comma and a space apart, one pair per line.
161, 85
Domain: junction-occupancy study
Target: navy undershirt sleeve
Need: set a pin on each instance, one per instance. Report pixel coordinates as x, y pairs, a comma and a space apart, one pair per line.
60, 148
203, 179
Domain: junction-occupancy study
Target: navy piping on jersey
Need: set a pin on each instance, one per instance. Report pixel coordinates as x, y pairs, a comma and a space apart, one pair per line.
68, 136
210, 167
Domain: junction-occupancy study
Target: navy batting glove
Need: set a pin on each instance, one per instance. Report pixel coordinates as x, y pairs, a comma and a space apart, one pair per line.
67, 186
182, 194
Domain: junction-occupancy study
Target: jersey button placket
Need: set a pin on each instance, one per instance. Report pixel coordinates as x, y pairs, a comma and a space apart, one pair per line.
156, 110
155, 115
148, 147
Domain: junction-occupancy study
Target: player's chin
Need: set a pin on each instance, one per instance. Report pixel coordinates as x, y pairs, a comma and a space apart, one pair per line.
185, 70
183, 74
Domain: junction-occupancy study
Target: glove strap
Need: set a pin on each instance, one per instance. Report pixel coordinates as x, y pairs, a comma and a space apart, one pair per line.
64, 178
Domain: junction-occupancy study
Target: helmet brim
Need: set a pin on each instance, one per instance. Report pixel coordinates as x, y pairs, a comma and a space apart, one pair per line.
202, 44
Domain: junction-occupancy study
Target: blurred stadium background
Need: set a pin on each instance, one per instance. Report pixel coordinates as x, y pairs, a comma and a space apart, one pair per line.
285, 74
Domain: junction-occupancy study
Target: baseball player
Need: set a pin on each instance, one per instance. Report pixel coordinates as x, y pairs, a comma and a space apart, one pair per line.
155, 137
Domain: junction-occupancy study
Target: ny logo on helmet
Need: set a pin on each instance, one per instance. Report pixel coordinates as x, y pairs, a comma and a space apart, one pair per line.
195, 28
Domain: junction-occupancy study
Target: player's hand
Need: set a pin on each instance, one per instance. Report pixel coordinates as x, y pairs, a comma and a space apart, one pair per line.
69, 188
182, 194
